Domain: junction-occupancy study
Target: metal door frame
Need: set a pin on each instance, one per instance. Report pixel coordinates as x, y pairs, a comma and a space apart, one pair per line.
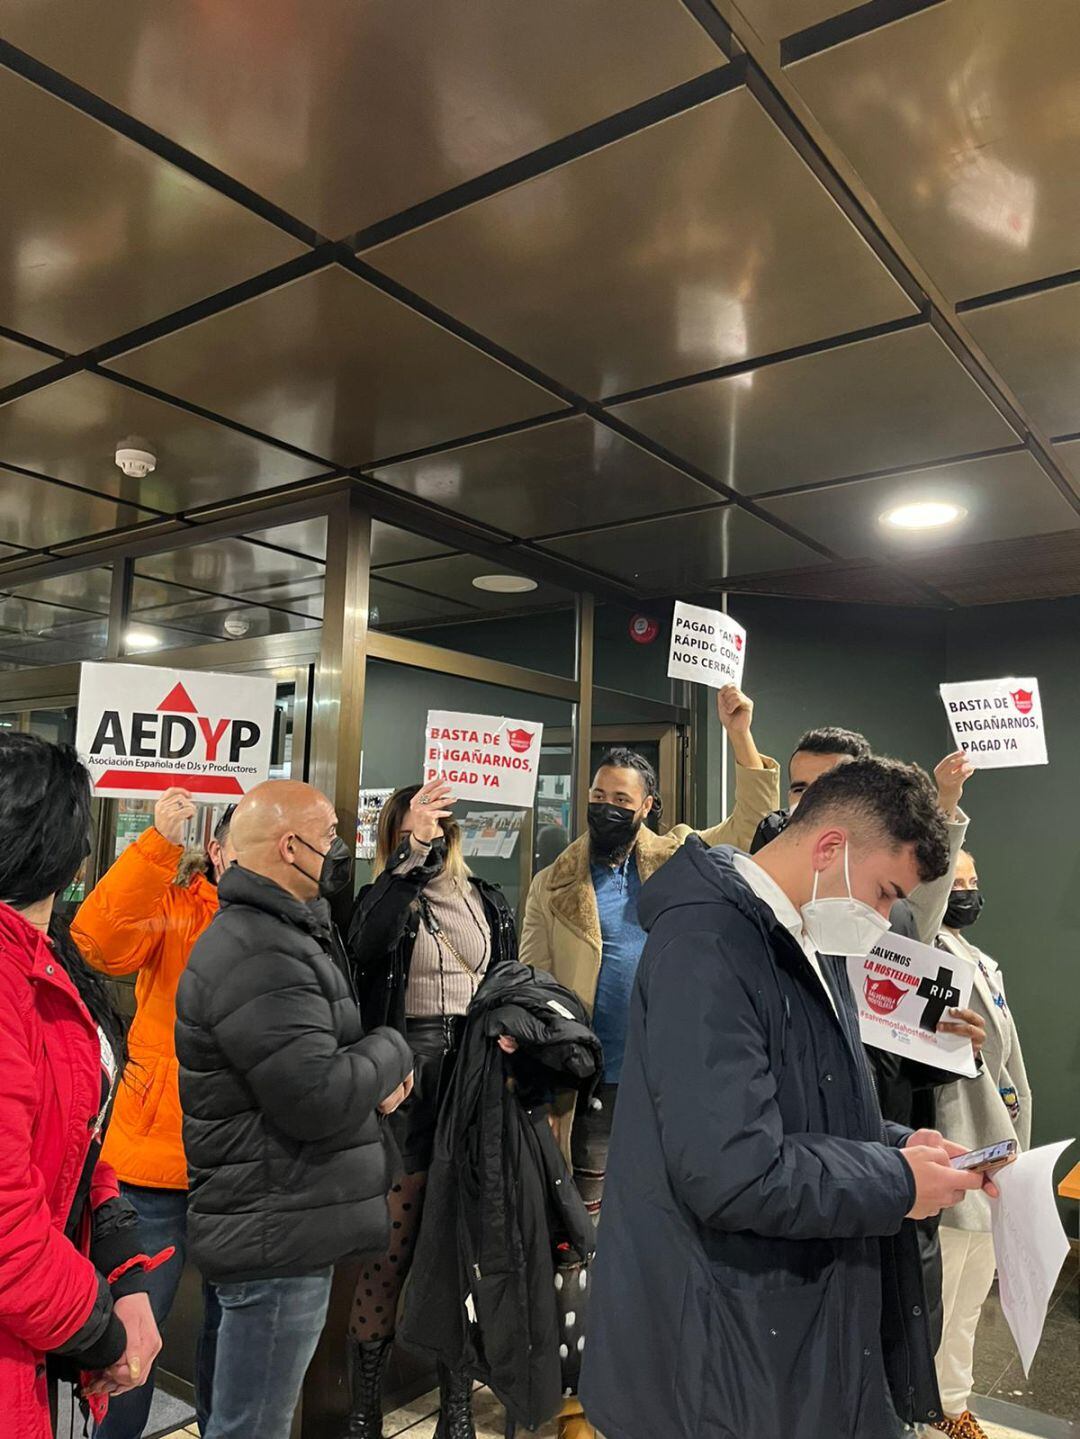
674, 757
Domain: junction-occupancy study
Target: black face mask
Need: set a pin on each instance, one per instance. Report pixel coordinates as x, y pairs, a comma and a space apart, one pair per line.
964, 908
770, 828
612, 829
334, 873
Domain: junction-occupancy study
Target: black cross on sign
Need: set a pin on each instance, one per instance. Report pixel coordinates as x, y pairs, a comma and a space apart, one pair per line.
940, 994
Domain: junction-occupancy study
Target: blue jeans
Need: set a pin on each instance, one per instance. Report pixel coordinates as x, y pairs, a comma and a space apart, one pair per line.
268, 1333
162, 1221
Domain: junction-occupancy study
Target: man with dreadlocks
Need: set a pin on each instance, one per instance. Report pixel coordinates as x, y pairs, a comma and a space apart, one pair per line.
581, 924
143, 918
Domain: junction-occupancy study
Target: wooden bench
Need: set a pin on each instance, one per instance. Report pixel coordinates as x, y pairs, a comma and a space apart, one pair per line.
1069, 1188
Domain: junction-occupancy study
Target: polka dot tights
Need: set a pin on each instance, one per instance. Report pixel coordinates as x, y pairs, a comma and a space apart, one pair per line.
374, 1310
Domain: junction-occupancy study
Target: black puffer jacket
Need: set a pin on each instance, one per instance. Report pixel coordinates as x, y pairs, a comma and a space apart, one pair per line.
500, 1196
383, 929
280, 1090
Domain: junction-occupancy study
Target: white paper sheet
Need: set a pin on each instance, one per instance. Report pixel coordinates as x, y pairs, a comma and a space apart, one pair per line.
1029, 1243
707, 646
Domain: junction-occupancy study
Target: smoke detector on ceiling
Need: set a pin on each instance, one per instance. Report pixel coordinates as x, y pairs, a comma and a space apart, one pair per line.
135, 461
236, 626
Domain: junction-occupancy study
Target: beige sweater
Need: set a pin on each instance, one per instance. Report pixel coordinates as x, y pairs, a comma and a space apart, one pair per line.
447, 966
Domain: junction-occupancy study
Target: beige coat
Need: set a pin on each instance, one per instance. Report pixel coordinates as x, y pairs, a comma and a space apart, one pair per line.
561, 932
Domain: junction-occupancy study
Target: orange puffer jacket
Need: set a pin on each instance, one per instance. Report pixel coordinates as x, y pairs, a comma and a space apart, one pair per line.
139, 920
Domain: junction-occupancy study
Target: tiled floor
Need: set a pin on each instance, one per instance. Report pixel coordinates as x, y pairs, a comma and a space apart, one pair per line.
1054, 1385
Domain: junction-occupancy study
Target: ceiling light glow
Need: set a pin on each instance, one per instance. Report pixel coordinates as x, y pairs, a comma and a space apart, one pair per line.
925, 515
504, 584
141, 640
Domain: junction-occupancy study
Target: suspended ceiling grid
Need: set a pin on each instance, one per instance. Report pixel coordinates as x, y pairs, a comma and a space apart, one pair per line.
645, 295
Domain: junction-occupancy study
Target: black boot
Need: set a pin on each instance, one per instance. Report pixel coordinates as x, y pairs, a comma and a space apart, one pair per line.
455, 1405
368, 1367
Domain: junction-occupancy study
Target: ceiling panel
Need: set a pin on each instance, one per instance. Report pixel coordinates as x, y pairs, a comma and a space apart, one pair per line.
394, 605
692, 244
964, 122
375, 106
562, 476
335, 367
62, 638
1003, 497
1035, 343
17, 361
302, 597
98, 236
70, 431
451, 576
896, 400
776, 19
306, 537
214, 617
229, 567
391, 545
30, 619
37, 514
875, 584
86, 590
1005, 571
693, 551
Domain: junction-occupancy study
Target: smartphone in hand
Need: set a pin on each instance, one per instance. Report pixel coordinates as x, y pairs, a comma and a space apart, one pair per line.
986, 1161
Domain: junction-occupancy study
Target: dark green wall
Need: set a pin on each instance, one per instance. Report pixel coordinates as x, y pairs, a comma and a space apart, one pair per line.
865, 667
1024, 839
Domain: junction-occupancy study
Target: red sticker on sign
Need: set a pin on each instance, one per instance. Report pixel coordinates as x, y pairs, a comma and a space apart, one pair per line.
882, 995
520, 740
1023, 700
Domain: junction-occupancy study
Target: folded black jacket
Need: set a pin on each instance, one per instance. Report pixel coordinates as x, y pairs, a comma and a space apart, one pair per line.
481, 1295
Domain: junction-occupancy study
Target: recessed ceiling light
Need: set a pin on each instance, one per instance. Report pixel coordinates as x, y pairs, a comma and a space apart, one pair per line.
141, 640
925, 515
504, 584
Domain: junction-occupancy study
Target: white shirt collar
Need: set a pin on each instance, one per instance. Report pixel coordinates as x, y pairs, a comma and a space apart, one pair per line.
767, 889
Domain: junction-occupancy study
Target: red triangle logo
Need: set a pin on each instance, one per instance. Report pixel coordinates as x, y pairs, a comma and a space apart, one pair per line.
177, 701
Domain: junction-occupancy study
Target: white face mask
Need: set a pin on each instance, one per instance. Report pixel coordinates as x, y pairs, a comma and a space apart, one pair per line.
844, 925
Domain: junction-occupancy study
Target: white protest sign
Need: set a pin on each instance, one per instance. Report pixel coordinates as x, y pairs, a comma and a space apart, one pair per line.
142, 729
1029, 1243
484, 757
903, 990
998, 722
707, 647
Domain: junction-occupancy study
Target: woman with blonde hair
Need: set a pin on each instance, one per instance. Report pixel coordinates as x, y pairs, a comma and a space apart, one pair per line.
423, 936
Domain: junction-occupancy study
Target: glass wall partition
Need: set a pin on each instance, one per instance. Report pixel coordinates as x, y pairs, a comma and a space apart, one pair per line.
499, 840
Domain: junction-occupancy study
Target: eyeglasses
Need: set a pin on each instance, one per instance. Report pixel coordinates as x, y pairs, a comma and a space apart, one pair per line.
223, 823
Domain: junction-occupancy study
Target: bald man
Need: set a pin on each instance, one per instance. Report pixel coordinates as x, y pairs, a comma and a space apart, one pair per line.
281, 1096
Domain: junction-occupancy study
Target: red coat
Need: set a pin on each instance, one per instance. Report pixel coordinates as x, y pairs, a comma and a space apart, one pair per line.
50, 1095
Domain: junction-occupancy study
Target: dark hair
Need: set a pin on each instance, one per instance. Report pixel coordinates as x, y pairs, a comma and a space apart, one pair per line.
898, 800
831, 739
622, 758
44, 818
221, 829
44, 841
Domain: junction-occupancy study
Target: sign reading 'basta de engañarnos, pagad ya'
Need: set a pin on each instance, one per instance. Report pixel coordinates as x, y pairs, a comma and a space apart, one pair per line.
484, 757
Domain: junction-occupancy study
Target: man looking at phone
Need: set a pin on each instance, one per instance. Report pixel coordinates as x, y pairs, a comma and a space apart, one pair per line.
755, 1274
